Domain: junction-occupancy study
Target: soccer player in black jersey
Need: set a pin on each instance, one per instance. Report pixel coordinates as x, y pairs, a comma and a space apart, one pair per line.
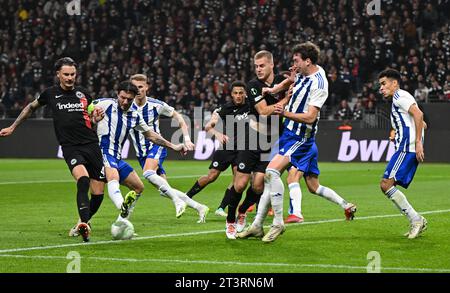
236, 110
79, 142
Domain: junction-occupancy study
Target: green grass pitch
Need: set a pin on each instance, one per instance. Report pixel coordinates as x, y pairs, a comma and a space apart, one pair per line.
38, 207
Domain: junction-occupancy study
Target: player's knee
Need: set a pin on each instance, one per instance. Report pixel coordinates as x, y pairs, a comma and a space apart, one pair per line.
312, 188
292, 177
152, 177
83, 183
139, 188
147, 174
385, 185
258, 188
157, 181
271, 174
239, 186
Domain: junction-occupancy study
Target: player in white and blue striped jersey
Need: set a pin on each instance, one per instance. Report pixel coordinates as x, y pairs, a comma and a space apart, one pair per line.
120, 116
151, 156
407, 121
297, 144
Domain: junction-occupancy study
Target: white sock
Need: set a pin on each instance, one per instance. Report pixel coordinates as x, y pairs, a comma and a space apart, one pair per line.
263, 205
295, 203
190, 202
162, 185
331, 195
276, 195
400, 201
114, 193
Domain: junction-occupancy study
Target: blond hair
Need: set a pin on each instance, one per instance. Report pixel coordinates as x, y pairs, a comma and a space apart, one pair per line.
139, 77
264, 53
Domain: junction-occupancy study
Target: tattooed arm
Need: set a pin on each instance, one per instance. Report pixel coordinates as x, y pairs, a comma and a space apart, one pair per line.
26, 112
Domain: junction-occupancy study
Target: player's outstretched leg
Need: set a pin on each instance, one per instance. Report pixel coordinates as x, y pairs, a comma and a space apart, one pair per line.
418, 224
329, 194
165, 190
202, 209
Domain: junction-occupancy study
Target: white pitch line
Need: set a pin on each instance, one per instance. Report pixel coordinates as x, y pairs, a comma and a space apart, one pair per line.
198, 233
69, 181
35, 182
169, 177
231, 263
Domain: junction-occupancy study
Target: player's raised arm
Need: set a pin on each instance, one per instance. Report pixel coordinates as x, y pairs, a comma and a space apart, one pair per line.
183, 126
26, 112
159, 140
266, 110
283, 86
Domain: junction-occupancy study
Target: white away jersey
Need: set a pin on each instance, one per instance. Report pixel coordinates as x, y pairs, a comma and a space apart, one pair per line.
113, 129
403, 122
308, 91
150, 112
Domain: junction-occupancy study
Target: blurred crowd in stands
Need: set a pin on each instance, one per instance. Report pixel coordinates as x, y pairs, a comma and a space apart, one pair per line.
192, 50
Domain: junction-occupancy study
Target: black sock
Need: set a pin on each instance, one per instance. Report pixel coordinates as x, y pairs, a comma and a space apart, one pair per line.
194, 190
94, 203
83, 198
251, 197
234, 202
226, 199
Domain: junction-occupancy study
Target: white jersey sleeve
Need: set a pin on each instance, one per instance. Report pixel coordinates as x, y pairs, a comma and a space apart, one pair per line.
404, 101
318, 97
103, 125
165, 110
103, 103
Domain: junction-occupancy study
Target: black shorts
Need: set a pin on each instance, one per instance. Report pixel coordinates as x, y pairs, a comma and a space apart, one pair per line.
250, 161
222, 159
88, 155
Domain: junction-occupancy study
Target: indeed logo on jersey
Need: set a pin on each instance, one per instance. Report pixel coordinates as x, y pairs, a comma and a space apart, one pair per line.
372, 150
71, 107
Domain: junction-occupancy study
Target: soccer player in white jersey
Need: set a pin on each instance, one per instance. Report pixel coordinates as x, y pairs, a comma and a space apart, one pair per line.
151, 156
297, 144
407, 121
119, 118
